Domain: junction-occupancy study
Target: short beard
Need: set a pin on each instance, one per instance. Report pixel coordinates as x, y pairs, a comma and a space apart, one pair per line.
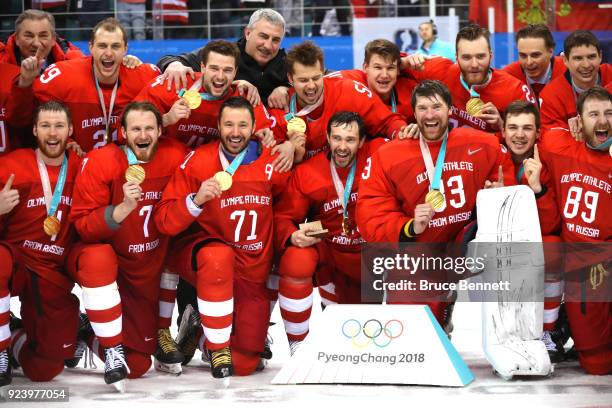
148, 156
46, 153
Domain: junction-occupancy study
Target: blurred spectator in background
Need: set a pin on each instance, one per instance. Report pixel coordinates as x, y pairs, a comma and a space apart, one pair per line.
432, 45
89, 13
171, 14
132, 14
365, 8
292, 12
343, 10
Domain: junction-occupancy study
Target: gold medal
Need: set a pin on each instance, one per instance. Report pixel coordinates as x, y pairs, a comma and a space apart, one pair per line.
296, 124
224, 179
474, 106
135, 174
347, 226
193, 99
51, 225
436, 199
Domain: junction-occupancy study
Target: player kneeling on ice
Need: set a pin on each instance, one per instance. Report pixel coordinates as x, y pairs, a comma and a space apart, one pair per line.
225, 191
36, 187
521, 131
113, 203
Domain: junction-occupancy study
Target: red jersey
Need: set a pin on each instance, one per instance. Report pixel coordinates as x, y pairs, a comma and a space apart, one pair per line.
581, 178
72, 82
558, 99
8, 136
140, 247
342, 94
398, 182
62, 50
547, 204
403, 91
501, 90
311, 194
557, 68
23, 226
241, 217
202, 125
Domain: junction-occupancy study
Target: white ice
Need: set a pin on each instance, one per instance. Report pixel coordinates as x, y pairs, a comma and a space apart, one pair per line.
569, 386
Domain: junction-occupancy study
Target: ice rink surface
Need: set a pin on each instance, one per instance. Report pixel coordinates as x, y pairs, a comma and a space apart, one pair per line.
567, 387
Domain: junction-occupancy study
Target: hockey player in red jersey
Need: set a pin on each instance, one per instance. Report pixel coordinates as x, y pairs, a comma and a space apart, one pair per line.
381, 74
521, 131
96, 89
123, 306
226, 189
35, 237
480, 93
214, 84
580, 174
314, 98
324, 188
394, 201
582, 57
537, 65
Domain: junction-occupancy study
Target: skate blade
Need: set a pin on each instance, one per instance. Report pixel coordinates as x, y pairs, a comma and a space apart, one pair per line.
174, 369
120, 386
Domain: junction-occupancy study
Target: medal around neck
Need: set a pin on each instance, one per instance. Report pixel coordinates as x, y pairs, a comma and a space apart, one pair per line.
224, 179
135, 174
347, 226
51, 225
436, 199
296, 124
193, 98
474, 106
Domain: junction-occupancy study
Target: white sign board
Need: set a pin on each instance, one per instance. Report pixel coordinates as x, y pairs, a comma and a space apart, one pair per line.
403, 31
376, 344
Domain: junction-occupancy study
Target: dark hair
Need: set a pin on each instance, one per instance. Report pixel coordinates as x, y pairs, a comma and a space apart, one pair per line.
32, 14
346, 118
237, 102
537, 31
519, 107
382, 47
306, 53
579, 38
431, 89
52, 106
226, 48
472, 32
140, 107
110, 24
597, 92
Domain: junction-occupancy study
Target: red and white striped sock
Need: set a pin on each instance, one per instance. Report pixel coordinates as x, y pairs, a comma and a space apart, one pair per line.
295, 301
167, 298
103, 307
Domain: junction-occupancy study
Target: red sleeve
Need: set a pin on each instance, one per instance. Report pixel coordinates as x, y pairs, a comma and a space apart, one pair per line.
290, 209
377, 116
435, 68
515, 70
379, 215
553, 109
548, 212
157, 95
263, 119
92, 206
171, 214
20, 105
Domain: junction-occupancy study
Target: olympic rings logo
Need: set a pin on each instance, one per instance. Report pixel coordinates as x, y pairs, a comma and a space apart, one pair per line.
372, 331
